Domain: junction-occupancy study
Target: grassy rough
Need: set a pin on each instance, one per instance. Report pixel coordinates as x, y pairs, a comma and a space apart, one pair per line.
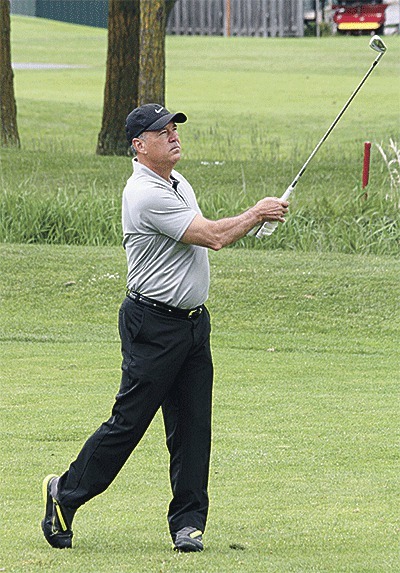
256, 107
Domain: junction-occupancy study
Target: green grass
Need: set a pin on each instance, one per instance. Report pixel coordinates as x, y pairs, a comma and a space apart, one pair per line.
257, 107
305, 460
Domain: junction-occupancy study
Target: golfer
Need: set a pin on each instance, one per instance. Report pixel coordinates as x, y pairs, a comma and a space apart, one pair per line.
165, 336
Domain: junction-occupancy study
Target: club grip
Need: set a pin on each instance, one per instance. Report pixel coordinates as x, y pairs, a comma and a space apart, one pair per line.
267, 229
288, 192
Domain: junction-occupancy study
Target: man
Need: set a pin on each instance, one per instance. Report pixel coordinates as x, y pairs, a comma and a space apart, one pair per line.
165, 331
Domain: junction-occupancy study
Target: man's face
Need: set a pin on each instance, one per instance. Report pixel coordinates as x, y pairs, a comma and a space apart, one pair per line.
161, 147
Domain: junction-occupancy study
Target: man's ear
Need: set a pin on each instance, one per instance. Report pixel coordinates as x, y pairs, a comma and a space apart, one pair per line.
136, 144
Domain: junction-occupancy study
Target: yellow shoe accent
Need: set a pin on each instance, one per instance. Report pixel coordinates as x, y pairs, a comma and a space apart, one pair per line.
195, 534
60, 516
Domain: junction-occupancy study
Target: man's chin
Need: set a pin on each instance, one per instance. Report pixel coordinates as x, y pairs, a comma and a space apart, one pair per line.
176, 155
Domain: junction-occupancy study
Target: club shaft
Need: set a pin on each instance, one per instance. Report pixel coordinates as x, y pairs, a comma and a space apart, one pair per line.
336, 120
270, 226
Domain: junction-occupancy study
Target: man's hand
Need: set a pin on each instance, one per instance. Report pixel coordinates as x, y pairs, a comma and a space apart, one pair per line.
271, 209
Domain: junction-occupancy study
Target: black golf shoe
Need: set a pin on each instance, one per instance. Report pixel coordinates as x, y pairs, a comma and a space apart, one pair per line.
188, 539
56, 526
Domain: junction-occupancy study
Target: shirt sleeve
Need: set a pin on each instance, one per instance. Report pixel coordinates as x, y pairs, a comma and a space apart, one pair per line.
160, 210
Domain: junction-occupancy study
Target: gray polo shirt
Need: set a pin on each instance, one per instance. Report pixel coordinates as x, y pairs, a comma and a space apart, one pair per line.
154, 218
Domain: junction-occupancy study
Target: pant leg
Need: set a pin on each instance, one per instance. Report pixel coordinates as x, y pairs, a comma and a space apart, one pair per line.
154, 347
187, 420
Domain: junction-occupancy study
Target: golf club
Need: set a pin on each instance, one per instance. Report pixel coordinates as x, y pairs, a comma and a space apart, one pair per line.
377, 44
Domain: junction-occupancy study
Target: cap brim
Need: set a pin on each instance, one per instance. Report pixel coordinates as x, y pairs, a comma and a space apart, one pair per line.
178, 117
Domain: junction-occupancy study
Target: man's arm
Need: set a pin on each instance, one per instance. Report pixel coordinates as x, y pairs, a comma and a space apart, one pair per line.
218, 234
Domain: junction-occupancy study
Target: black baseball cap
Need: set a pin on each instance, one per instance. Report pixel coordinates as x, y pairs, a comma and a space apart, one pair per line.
150, 117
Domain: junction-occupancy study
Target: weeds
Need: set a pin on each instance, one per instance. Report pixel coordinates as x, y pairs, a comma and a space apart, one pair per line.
392, 163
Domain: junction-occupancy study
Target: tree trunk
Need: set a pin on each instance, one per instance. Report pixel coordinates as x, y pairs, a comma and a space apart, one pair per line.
8, 109
122, 75
153, 22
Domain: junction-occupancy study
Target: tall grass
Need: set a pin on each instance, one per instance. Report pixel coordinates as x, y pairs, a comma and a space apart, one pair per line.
65, 217
51, 205
391, 157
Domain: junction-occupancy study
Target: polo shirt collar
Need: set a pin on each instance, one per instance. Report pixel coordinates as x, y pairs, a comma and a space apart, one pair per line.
139, 169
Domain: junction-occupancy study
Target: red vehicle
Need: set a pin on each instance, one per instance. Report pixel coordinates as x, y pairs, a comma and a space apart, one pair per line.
359, 16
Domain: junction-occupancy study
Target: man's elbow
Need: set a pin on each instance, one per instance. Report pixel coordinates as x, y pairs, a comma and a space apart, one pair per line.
216, 246
215, 239
206, 235
209, 242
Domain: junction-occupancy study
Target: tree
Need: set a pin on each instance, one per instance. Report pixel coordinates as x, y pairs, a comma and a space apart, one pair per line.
8, 109
135, 65
153, 24
122, 74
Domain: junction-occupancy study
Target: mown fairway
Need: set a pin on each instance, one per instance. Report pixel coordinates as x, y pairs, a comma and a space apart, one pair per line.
305, 461
305, 453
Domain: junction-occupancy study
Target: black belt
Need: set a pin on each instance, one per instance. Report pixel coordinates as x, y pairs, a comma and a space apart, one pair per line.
165, 308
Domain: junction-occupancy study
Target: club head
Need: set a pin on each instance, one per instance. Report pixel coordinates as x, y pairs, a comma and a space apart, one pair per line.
377, 44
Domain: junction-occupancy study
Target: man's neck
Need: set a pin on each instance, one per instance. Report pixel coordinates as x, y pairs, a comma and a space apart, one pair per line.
163, 171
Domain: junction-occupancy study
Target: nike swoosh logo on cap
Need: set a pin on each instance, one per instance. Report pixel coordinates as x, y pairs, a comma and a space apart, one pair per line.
158, 110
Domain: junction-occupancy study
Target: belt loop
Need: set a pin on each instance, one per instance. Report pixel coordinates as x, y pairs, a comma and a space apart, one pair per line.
132, 294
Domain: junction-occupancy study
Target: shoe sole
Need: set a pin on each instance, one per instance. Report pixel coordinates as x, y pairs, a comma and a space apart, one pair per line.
189, 546
58, 541
48, 502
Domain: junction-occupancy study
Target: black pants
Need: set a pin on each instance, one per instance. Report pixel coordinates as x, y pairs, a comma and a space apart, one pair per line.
166, 362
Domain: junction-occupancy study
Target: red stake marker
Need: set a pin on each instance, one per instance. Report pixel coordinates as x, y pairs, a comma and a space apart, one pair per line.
367, 155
